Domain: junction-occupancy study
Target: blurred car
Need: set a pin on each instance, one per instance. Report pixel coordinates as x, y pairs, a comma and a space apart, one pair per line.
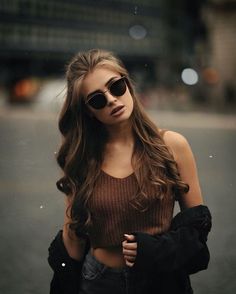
23, 90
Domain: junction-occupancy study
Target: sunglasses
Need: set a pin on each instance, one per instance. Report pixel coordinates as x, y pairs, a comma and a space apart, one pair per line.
98, 100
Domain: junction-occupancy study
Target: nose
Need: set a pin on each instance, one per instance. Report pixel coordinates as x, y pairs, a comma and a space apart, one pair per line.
110, 98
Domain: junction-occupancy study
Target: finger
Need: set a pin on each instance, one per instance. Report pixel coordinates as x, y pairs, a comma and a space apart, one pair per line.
130, 258
129, 246
129, 237
124, 242
129, 241
129, 252
129, 264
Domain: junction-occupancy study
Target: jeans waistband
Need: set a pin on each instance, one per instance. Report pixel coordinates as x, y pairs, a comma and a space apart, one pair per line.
92, 260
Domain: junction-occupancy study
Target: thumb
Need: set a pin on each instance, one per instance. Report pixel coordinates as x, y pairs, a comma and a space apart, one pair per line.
129, 237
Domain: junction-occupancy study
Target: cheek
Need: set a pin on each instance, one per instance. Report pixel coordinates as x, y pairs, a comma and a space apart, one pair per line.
101, 115
90, 112
130, 102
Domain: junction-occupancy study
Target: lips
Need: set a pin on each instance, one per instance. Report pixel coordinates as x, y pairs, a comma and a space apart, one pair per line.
117, 109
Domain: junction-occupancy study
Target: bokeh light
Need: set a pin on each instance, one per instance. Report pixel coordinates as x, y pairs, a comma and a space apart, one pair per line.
137, 32
189, 76
211, 75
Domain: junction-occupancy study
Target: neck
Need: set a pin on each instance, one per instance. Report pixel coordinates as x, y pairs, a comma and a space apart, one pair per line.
120, 133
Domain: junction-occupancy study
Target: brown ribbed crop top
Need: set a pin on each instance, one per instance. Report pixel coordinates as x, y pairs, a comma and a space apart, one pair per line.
112, 214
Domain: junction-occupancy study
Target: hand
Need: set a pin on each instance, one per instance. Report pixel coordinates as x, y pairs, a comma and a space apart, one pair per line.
129, 249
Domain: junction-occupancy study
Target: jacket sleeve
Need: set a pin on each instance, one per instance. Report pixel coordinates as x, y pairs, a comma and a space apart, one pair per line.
182, 247
66, 270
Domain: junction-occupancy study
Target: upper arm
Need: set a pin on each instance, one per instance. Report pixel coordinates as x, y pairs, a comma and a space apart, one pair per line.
187, 168
67, 210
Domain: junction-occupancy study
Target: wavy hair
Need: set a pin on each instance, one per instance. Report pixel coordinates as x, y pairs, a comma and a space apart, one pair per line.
80, 156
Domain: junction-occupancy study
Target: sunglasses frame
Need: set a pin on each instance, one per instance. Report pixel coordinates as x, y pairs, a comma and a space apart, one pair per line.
108, 90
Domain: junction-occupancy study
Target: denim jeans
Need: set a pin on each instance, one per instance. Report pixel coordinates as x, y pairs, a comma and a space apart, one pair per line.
97, 278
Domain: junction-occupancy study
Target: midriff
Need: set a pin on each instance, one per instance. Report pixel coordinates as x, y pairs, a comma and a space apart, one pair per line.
110, 256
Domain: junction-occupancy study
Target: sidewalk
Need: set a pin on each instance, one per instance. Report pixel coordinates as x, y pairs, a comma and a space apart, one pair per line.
193, 119
163, 118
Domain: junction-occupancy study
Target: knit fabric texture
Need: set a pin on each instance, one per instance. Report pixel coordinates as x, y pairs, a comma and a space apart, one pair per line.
113, 215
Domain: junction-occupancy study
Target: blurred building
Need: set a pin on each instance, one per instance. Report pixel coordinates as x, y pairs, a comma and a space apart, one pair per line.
37, 37
220, 60
157, 39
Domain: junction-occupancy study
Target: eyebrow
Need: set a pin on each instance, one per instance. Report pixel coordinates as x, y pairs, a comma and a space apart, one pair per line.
107, 83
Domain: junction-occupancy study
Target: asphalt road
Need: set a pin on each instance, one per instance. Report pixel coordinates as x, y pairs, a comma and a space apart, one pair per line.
31, 208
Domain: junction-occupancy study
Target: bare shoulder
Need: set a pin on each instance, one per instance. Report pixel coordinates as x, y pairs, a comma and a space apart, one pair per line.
174, 139
176, 142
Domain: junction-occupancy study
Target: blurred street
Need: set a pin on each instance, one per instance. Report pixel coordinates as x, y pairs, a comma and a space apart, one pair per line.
180, 56
32, 209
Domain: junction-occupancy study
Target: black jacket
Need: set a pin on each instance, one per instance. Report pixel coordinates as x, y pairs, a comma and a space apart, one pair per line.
168, 258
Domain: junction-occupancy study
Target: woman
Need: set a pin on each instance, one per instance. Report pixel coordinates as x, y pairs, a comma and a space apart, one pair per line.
122, 175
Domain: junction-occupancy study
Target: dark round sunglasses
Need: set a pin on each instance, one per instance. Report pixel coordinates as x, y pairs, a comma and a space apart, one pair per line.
98, 100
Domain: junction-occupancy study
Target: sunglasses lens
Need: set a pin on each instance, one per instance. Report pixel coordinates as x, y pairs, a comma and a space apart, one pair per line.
118, 88
98, 101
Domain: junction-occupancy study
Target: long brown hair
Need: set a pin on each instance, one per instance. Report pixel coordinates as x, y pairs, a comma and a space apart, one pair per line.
80, 156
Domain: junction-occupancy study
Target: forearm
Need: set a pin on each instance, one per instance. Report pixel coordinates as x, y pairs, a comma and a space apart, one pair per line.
75, 246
